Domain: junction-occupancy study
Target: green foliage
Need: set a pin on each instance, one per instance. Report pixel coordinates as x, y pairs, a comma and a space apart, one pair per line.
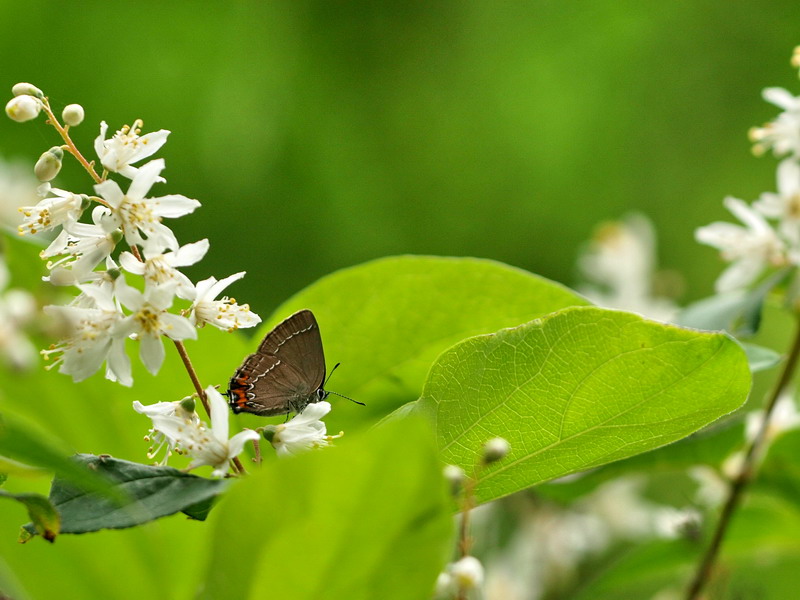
369, 519
150, 492
44, 516
20, 443
578, 389
386, 320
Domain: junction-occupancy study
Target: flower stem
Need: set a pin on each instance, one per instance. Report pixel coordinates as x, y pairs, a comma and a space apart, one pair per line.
64, 133
745, 476
201, 393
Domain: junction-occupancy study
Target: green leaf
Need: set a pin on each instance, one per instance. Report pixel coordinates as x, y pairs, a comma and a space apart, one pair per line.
45, 518
761, 358
578, 389
20, 443
368, 519
153, 492
387, 320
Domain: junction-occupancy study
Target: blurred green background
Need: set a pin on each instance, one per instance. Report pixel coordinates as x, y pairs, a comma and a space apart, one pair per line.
322, 134
319, 135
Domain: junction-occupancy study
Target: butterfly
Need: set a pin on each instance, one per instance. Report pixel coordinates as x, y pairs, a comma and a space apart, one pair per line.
285, 374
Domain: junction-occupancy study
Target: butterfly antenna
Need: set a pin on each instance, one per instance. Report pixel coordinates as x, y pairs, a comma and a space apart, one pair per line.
336, 366
345, 397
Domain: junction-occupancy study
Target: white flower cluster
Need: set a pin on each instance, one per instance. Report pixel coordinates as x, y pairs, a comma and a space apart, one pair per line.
770, 232
108, 311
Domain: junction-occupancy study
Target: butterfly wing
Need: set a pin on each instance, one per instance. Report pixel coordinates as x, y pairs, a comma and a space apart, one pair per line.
297, 341
286, 371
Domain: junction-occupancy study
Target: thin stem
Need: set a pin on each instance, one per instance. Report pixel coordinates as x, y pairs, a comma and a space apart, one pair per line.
64, 133
745, 476
201, 393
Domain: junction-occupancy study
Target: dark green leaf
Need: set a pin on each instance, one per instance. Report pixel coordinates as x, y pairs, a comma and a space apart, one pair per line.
153, 492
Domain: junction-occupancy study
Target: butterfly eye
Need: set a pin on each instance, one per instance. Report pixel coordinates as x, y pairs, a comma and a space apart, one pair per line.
321, 394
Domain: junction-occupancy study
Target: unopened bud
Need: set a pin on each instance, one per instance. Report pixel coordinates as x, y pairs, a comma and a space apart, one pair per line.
187, 404
72, 114
467, 573
26, 89
269, 431
495, 449
455, 477
49, 164
23, 108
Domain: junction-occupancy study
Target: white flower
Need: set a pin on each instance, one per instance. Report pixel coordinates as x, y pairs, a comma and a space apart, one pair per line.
621, 259
207, 447
17, 309
91, 338
785, 205
783, 134
784, 417
225, 313
63, 207
671, 523
158, 437
304, 432
137, 215
467, 573
17, 188
127, 147
82, 247
751, 249
150, 320
160, 268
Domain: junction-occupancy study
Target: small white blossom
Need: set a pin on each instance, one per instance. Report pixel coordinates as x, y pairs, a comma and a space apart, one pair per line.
127, 147
150, 320
23, 108
17, 189
621, 260
24, 88
17, 309
49, 164
784, 416
495, 449
159, 268
158, 437
785, 205
751, 249
207, 447
137, 215
304, 432
672, 523
467, 573
82, 247
225, 313
62, 207
783, 134
91, 338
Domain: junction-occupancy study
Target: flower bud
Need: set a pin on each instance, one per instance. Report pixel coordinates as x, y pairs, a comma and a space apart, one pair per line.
467, 573
455, 477
23, 108
188, 405
269, 432
72, 114
49, 164
26, 89
495, 449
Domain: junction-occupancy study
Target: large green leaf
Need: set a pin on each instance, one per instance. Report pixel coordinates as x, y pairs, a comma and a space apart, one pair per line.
153, 492
578, 389
369, 519
387, 320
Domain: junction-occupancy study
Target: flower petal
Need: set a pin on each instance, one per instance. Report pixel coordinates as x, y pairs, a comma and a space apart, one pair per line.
151, 351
